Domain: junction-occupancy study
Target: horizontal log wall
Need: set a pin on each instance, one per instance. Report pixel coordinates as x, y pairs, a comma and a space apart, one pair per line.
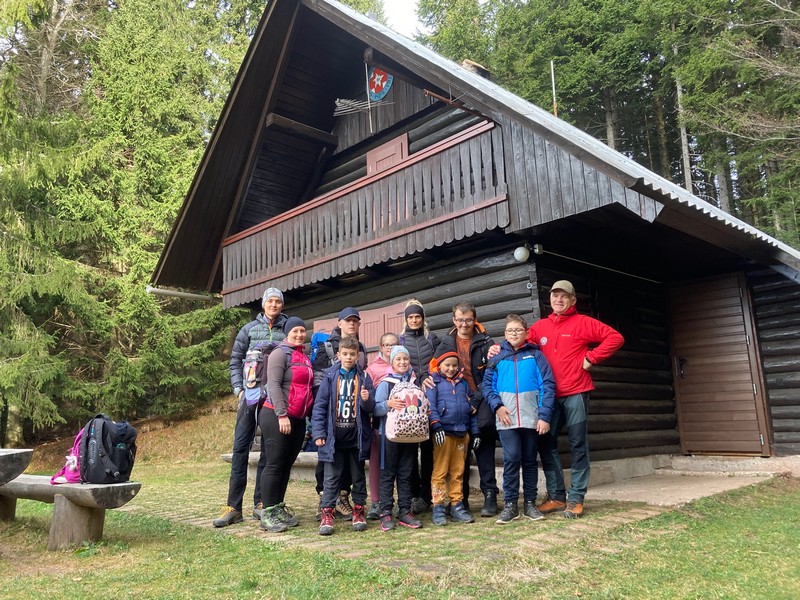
632, 409
777, 307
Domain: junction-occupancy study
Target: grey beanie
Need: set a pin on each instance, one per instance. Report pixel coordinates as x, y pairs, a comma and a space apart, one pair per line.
271, 293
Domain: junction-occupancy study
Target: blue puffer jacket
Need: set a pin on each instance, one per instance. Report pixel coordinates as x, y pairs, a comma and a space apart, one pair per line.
450, 407
323, 416
520, 380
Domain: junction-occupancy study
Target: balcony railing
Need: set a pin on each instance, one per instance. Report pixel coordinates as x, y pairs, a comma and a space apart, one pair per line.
449, 191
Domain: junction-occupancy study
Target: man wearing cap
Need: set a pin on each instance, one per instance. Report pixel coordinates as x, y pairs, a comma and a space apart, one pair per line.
266, 327
348, 326
572, 343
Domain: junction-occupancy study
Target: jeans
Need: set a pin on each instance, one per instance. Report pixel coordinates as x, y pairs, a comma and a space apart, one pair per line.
243, 434
519, 449
398, 460
282, 451
345, 461
572, 411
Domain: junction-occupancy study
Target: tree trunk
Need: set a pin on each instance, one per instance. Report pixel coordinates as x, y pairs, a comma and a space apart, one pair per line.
612, 117
663, 144
3, 422
722, 171
687, 161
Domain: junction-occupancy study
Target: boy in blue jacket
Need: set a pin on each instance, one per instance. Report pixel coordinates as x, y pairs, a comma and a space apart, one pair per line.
341, 429
520, 389
452, 420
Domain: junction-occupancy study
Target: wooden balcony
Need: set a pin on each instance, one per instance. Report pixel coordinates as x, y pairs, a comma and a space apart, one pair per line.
449, 191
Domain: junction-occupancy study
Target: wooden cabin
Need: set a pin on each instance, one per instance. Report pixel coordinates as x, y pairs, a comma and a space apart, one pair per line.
353, 167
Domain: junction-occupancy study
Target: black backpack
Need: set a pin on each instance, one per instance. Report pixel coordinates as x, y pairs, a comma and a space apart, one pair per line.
107, 451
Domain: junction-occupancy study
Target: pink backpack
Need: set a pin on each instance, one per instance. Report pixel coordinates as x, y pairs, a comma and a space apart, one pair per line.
409, 425
71, 471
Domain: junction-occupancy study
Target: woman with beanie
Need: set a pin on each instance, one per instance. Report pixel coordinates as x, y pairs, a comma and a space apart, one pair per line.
421, 344
290, 378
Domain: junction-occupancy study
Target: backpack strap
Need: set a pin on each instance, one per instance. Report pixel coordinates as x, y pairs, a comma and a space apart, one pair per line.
329, 350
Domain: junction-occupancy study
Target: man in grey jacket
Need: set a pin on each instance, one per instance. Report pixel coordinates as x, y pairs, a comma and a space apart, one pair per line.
266, 327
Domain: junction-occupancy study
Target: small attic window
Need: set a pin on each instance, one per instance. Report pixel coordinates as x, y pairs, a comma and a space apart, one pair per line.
387, 155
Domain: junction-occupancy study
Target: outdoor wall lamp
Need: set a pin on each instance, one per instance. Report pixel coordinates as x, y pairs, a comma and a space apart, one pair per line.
523, 253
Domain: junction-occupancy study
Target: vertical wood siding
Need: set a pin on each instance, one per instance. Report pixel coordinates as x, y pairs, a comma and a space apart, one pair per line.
777, 308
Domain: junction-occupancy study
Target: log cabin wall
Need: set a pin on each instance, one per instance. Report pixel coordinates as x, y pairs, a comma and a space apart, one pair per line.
632, 409
777, 314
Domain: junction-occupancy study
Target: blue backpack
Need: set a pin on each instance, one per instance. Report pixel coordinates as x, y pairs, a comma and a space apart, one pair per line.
320, 340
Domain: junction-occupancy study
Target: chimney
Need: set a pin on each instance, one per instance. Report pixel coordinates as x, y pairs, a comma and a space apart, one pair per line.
478, 69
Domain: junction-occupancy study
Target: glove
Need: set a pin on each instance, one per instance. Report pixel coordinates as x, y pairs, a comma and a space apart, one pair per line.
476, 443
438, 437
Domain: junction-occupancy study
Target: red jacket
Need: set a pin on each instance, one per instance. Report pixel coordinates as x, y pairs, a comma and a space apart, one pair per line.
565, 340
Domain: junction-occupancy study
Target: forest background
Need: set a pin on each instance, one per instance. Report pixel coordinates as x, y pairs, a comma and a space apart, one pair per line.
106, 107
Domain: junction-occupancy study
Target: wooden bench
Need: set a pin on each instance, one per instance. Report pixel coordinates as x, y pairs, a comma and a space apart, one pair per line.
79, 511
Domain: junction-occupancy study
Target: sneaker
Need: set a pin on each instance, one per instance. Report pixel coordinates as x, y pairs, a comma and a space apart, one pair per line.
530, 511
461, 514
258, 510
419, 506
574, 510
285, 515
439, 514
344, 509
374, 512
489, 504
270, 522
509, 513
387, 522
410, 521
327, 521
359, 519
229, 516
549, 505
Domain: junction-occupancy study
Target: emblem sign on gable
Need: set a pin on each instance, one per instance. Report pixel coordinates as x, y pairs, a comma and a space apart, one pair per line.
379, 84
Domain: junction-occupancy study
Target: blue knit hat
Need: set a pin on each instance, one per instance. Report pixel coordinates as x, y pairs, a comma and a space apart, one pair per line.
293, 322
398, 350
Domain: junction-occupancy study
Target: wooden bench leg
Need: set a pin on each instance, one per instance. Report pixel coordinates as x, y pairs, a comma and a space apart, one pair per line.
8, 508
73, 524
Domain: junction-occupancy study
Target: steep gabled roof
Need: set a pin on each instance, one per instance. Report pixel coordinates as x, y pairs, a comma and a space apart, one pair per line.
191, 256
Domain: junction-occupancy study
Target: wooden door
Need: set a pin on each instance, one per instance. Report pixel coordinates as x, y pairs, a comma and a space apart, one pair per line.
716, 368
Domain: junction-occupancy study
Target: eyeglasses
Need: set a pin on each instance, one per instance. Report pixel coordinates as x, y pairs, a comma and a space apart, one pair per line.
515, 331
464, 321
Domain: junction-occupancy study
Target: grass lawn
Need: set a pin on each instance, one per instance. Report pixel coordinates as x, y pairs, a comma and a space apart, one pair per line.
743, 544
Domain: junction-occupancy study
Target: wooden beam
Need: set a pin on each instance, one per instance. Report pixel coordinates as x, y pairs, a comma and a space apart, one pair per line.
301, 129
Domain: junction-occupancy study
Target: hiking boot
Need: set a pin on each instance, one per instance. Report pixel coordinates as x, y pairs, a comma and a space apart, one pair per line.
270, 522
419, 506
410, 521
387, 522
344, 509
530, 511
549, 505
489, 504
574, 510
359, 518
318, 516
439, 514
460, 514
285, 515
258, 510
327, 521
374, 512
509, 513
229, 516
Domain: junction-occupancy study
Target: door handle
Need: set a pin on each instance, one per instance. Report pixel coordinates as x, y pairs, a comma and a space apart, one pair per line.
681, 367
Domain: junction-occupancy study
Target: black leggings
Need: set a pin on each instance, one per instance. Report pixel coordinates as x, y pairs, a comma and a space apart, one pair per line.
282, 451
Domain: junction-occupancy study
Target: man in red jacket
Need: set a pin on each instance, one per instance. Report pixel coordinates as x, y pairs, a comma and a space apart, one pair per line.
572, 344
